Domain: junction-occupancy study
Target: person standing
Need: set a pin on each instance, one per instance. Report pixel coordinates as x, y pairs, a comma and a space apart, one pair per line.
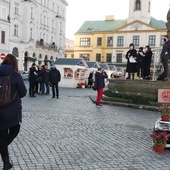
33, 74
140, 69
47, 80
147, 62
11, 114
165, 56
90, 79
100, 76
131, 57
42, 74
54, 78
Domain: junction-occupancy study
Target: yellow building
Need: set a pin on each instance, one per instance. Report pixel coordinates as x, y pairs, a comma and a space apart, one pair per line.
108, 40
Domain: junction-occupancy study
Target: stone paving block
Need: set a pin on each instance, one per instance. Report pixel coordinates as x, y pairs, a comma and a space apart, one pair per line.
71, 133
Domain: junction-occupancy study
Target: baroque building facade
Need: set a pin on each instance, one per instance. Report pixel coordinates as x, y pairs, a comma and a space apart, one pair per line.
34, 30
108, 40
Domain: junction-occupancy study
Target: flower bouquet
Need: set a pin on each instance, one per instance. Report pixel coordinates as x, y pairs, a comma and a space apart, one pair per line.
165, 112
159, 140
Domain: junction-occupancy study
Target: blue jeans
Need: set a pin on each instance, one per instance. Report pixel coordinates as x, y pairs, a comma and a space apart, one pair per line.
47, 88
42, 86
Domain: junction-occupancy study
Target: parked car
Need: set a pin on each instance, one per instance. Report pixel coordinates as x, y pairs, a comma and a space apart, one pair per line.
25, 75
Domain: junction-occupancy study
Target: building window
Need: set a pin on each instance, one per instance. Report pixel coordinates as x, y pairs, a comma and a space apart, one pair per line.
58, 9
47, 3
99, 41
109, 41
120, 41
3, 12
31, 12
149, 7
16, 8
84, 41
162, 39
98, 57
138, 5
72, 56
52, 23
109, 57
15, 52
3, 37
30, 33
60, 26
136, 40
86, 57
119, 57
152, 40
16, 30
53, 7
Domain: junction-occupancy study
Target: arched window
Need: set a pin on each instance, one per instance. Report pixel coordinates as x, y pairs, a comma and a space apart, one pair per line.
138, 5
15, 52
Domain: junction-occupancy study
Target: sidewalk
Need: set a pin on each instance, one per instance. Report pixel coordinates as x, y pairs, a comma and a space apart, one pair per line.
70, 133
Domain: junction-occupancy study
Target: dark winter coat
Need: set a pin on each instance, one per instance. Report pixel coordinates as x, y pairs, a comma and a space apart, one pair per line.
42, 74
33, 74
147, 59
11, 114
165, 54
99, 79
131, 67
54, 76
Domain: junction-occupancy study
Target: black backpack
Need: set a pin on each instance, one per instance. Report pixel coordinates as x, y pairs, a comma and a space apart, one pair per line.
5, 91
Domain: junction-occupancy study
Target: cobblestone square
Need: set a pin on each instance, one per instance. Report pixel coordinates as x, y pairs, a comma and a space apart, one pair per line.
70, 133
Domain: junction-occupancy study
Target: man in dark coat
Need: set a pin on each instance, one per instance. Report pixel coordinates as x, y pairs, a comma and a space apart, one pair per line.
33, 74
11, 114
54, 78
165, 56
100, 76
42, 74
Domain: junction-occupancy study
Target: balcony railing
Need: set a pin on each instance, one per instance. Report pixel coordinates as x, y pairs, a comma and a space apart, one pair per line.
47, 46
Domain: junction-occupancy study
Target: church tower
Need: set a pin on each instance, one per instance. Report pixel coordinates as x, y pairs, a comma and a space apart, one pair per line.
139, 10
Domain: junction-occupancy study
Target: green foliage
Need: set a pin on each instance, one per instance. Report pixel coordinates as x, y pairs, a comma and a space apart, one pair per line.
137, 99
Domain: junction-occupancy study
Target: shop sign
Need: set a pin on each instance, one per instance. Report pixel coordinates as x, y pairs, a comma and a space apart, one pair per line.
164, 96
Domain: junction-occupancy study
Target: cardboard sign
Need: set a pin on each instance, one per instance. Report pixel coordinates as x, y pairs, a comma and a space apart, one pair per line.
164, 96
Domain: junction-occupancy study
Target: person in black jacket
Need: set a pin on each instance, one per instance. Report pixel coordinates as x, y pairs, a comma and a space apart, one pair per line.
165, 56
100, 75
131, 57
54, 78
10, 115
33, 74
147, 62
140, 57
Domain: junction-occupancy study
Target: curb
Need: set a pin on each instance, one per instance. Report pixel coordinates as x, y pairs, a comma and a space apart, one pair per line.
130, 105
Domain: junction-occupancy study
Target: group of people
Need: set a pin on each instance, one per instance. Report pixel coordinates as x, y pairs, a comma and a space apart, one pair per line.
139, 62
40, 80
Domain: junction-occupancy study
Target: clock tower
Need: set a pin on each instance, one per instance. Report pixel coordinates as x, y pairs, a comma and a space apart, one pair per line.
139, 10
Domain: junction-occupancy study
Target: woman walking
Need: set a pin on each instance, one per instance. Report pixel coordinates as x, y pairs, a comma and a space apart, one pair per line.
11, 114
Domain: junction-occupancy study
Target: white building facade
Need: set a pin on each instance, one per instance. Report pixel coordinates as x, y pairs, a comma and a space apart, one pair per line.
37, 31
4, 28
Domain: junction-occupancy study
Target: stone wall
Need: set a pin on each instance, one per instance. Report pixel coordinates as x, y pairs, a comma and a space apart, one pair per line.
138, 87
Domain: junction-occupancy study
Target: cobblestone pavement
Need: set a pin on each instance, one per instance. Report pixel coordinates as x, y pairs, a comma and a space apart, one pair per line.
70, 133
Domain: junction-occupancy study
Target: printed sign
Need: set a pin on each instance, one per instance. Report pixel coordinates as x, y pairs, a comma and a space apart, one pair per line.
164, 96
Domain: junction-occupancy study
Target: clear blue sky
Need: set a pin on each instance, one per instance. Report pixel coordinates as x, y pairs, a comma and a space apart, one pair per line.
79, 11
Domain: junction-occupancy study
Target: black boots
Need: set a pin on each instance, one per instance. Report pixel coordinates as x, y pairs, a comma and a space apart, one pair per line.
7, 164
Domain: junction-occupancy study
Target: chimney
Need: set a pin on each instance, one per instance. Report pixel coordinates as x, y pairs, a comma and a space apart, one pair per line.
109, 18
